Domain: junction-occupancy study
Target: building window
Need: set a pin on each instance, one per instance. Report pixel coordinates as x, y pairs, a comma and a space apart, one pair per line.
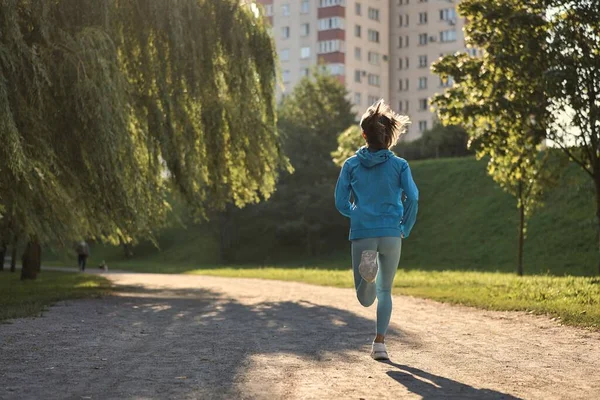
448, 36
422, 104
423, 82
286, 76
305, 72
373, 14
357, 53
422, 1
448, 14
305, 53
336, 69
373, 36
284, 54
403, 20
373, 58
400, 85
422, 18
423, 61
403, 2
374, 80
331, 23
422, 126
285, 32
357, 99
406, 106
357, 30
403, 41
422, 39
373, 99
357, 76
406, 63
331, 3
400, 103
269, 10
331, 46
448, 82
406, 81
400, 63
305, 6
357, 9
285, 10
304, 29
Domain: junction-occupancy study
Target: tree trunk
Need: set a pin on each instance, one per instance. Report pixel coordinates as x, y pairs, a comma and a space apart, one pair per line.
597, 184
32, 260
226, 234
521, 233
2, 255
128, 250
13, 256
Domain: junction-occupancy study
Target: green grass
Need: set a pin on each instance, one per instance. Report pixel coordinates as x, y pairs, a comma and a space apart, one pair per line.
465, 222
575, 300
462, 250
29, 298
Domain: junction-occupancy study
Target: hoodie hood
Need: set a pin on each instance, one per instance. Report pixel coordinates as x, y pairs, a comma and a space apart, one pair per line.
370, 159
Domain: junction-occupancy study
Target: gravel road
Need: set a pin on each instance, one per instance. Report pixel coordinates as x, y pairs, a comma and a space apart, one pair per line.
195, 337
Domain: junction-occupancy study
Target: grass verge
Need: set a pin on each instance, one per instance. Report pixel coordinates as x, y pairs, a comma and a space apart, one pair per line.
574, 300
29, 298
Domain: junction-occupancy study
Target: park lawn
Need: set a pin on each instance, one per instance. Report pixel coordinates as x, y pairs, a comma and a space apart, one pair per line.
29, 298
574, 300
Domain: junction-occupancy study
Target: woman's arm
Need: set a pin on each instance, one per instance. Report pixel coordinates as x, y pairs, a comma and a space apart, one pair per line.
343, 191
411, 202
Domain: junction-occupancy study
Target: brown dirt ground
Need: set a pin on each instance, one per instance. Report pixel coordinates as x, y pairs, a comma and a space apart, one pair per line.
195, 337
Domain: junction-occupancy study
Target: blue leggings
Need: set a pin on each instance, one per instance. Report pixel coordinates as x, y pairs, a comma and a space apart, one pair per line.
389, 249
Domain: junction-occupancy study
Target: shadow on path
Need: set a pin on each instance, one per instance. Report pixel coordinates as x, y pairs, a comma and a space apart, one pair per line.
433, 387
173, 343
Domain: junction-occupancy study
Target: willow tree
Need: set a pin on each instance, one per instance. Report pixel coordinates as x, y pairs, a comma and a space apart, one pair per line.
106, 106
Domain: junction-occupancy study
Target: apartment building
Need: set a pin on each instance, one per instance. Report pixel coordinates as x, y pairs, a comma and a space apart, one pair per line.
421, 31
377, 48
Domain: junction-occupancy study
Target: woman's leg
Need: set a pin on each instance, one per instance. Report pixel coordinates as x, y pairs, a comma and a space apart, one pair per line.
389, 257
365, 291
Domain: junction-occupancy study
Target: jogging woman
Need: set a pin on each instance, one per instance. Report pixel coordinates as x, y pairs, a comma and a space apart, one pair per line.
377, 192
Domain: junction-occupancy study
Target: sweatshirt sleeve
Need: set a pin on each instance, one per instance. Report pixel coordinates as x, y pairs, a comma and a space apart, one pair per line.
343, 191
411, 201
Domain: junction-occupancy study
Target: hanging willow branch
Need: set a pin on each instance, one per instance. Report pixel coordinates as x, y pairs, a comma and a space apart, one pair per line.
107, 105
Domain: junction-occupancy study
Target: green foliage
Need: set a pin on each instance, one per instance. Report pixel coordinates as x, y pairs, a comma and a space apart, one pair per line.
105, 106
499, 97
439, 141
349, 141
28, 299
301, 213
464, 216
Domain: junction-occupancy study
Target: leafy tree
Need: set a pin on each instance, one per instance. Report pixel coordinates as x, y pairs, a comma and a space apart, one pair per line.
106, 106
349, 141
499, 97
301, 215
573, 85
440, 141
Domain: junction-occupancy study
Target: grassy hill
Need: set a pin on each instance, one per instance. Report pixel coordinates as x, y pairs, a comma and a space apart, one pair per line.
465, 222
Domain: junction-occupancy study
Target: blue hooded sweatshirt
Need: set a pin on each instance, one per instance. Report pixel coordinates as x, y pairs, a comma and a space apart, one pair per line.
383, 193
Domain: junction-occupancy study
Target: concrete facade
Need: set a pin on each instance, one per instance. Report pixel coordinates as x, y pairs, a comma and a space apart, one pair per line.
377, 48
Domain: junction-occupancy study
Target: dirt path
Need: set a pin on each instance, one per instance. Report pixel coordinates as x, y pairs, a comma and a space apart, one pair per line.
194, 337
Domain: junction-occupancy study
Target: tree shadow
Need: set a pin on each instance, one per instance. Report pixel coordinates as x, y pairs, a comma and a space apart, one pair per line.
183, 343
434, 387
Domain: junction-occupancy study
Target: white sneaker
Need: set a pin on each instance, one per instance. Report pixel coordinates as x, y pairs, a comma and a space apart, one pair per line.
379, 351
368, 265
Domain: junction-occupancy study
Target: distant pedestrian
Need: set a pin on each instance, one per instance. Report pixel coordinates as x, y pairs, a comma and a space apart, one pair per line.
83, 252
377, 192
